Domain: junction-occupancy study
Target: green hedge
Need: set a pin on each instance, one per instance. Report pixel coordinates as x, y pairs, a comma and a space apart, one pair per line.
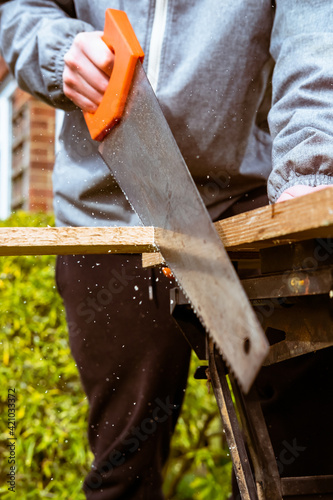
52, 455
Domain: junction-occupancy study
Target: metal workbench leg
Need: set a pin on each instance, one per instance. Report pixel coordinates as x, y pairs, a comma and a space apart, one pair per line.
231, 426
262, 454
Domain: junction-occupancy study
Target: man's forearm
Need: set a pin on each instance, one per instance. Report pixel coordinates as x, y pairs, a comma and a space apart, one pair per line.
301, 121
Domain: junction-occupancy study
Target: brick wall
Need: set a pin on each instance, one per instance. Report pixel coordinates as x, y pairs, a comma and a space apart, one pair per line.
33, 141
3, 69
42, 139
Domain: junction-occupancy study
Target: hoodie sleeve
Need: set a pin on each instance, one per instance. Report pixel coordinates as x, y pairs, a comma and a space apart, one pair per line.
34, 37
301, 117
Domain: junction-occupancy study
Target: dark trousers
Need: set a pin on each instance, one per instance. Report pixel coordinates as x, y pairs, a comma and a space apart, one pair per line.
133, 362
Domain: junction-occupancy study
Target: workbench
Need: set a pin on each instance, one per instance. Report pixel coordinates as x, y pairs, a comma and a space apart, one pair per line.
283, 254
284, 258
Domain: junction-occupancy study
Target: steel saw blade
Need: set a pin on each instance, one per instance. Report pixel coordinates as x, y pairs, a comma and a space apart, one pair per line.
145, 160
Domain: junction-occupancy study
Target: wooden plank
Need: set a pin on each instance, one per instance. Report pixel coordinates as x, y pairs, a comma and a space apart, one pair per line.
152, 259
75, 240
309, 216
302, 218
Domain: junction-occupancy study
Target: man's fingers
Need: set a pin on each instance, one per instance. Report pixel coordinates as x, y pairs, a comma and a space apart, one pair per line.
88, 66
81, 92
93, 47
284, 197
98, 53
298, 190
83, 103
81, 69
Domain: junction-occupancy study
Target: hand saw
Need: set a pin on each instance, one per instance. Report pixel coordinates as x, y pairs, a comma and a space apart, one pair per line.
142, 154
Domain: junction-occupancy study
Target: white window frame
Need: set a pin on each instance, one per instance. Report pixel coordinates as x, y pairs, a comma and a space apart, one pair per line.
7, 90
59, 118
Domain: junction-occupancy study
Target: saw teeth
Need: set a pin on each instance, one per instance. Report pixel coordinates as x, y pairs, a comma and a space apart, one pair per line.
230, 369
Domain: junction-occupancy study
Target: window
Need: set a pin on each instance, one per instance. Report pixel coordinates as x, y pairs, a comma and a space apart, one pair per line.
59, 118
7, 89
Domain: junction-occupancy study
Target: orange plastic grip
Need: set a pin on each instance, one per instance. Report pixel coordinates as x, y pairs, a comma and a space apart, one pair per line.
121, 39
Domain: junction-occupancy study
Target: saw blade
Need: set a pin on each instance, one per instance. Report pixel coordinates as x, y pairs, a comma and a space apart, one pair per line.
145, 160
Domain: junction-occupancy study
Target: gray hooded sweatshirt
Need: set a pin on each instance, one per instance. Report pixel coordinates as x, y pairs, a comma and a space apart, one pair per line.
211, 64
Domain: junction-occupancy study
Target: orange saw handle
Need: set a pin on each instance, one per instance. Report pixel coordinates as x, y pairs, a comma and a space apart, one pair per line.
119, 36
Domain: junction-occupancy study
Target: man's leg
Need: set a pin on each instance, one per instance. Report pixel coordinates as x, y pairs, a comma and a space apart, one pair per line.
133, 362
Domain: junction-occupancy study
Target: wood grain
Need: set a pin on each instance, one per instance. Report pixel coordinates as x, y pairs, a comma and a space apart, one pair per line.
302, 218
75, 240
